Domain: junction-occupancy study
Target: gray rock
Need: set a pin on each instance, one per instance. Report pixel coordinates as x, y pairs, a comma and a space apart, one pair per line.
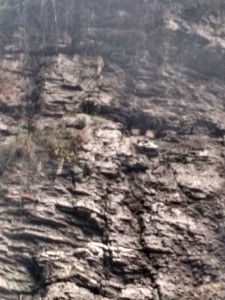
147, 147
138, 212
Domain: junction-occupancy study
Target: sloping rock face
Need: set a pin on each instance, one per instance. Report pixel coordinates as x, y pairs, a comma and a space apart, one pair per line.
112, 151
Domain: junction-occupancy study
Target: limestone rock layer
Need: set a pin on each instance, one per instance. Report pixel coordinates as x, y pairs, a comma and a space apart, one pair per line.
112, 146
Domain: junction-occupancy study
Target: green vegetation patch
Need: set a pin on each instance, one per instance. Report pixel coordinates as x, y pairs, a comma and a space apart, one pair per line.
23, 150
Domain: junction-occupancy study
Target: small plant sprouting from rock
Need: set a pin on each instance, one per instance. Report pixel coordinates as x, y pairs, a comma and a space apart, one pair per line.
26, 152
16, 150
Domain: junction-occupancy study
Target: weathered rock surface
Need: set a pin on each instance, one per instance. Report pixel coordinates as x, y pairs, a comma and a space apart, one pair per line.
112, 156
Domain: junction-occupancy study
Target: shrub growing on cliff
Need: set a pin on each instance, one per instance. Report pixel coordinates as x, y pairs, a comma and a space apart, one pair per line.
27, 151
16, 150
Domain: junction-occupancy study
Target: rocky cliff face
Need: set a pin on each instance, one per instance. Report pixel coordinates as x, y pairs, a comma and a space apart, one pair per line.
112, 150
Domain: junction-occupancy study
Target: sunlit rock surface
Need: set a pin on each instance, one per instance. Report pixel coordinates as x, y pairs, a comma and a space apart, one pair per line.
112, 155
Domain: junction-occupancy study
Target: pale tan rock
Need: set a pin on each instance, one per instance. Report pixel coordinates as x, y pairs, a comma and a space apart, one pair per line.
135, 131
150, 134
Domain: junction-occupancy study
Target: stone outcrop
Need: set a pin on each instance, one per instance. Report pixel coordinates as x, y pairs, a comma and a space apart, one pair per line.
112, 154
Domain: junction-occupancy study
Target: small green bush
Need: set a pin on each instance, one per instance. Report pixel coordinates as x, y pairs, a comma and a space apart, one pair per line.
26, 151
15, 150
